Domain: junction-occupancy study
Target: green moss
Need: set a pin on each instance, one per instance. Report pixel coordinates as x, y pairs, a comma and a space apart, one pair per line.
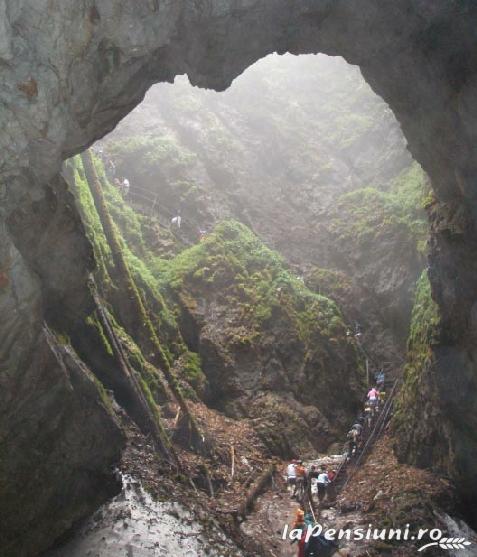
333, 284
424, 327
253, 279
191, 372
148, 373
92, 224
62, 339
129, 230
156, 411
103, 394
366, 215
92, 321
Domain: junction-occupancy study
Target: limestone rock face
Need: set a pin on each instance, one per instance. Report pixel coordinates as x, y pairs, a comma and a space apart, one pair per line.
271, 350
70, 70
57, 436
302, 151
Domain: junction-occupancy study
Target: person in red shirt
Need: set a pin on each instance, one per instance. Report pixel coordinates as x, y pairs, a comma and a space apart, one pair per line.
331, 487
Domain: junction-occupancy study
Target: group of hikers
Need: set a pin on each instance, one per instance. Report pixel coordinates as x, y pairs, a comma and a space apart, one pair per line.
123, 185
318, 482
374, 401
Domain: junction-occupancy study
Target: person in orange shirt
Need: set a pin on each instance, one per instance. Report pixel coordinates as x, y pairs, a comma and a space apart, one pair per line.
299, 524
300, 478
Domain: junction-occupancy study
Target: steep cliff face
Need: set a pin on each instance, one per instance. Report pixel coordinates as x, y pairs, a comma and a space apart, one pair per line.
240, 329
379, 238
417, 403
270, 349
70, 71
435, 419
59, 437
303, 152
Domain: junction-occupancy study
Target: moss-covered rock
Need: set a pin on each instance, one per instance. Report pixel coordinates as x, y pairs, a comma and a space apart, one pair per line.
240, 329
416, 406
271, 349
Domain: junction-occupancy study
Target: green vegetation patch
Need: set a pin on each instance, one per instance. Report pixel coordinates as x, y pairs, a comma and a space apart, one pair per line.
253, 279
129, 229
368, 214
424, 325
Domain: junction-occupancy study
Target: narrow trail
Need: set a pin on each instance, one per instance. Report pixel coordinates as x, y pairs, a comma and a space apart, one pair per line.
149, 203
276, 508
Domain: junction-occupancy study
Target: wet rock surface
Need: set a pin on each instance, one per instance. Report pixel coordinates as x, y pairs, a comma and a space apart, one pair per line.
58, 437
134, 525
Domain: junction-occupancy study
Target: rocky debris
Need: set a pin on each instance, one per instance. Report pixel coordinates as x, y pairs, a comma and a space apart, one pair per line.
390, 495
167, 489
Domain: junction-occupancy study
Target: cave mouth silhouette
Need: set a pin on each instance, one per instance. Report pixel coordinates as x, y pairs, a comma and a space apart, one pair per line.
76, 75
291, 108
467, 507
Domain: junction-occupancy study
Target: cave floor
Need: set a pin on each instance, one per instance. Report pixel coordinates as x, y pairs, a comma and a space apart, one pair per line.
382, 493
142, 521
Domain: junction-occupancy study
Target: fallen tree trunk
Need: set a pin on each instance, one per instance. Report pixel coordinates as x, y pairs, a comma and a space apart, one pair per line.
131, 293
256, 489
148, 422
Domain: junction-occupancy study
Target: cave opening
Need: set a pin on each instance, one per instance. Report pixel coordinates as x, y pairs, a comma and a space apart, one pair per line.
69, 74
305, 154
302, 152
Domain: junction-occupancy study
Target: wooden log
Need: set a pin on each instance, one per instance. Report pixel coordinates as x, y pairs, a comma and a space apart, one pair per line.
256, 489
148, 423
176, 419
132, 296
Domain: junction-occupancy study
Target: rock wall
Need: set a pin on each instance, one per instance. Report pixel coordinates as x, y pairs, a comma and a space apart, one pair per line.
70, 70
301, 150
270, 349
58, 437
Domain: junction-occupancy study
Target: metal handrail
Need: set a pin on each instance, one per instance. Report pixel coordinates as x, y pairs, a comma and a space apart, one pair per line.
375, 433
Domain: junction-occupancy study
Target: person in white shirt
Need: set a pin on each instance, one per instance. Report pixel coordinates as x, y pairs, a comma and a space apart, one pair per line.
291, 476
322, 482
177, 221
125, 187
